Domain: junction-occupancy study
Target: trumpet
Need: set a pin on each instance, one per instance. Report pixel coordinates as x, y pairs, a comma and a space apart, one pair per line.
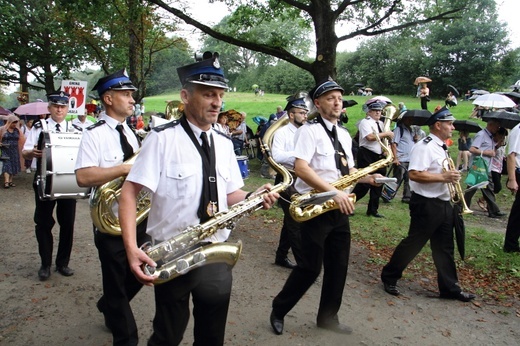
456, 192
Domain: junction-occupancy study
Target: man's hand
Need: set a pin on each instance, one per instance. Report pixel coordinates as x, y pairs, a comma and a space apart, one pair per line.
512, 185
342, 199
451, 176
137, 259
269, 198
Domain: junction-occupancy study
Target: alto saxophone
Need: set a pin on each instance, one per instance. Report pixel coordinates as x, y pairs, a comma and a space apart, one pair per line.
301, 211
103, 204
186, 251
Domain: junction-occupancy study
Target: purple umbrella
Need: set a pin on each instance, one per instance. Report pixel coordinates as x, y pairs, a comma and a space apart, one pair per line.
32, 108
4, 111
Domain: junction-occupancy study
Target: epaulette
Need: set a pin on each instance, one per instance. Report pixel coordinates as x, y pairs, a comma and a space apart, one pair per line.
313, 121
427, 140
79, 128
99, 123
221, 133
38, 124
166, 126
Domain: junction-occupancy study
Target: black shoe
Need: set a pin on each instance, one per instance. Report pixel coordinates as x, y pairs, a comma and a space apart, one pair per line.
101, 308
336, 327
497, 215
376, 215
462, 296
511, 250
65, 271
44, 273
391, 289
276, 323
285, 262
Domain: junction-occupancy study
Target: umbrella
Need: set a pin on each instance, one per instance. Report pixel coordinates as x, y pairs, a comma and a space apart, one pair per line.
421, 79
254, 86
453, 90
379, 98
258, 120
32, 108
369, 89
516, 85
420, 116
506, 119
359, 85
4, 111
349, 103
512, 95
467, 126
494, 101
460, 230
480, 92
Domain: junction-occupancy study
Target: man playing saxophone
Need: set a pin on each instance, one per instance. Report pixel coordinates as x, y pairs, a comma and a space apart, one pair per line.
101, 156
431, 212
192, 173
323, 155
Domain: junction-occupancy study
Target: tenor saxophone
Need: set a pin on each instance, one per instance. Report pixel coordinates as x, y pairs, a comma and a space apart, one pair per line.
187, 251
301, 211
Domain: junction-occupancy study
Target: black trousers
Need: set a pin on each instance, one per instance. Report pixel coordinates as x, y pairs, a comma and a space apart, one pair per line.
325, 242
364, 159
66, 214
430, 219
210, 288
290, 234
119, 285
488, 195
511, 242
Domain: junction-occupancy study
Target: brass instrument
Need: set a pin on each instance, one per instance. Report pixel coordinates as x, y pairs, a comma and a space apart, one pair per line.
103, 203
185, 251
173, 110
456, 192
301, 211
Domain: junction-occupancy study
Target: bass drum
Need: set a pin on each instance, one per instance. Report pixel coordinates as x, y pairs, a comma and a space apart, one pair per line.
56, 178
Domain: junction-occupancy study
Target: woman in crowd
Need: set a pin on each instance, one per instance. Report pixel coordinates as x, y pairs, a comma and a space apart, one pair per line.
11, 137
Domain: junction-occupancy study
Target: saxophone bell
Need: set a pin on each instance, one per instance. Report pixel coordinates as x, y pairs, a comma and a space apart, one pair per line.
456, 192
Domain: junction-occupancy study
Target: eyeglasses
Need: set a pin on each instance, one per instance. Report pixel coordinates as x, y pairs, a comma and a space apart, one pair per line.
300, 113
15, 122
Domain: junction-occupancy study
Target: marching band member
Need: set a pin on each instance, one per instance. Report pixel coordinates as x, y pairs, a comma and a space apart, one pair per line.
104, 148
65, 208
431, 212
323, 155
188, 183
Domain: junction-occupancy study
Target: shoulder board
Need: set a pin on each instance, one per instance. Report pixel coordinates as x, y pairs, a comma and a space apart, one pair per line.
166, 126
221, 133
99, 123
79, 128
38, 124
427, 140
313, 121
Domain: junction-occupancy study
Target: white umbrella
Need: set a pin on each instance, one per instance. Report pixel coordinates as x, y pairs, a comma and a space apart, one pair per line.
494, 101
480, 92
33, 108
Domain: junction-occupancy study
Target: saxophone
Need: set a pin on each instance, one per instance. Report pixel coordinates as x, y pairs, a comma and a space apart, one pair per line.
301, 211
103, 203
186, 251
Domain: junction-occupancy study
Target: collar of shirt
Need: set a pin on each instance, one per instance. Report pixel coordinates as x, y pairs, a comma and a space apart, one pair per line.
197, 131
111, 121
328, 124
437, 140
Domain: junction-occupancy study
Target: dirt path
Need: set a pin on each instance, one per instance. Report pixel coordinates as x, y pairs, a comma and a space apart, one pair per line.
61, 311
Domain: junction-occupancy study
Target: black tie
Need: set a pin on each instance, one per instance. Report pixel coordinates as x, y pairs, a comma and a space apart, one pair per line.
58, 128
378, 127
128, 151
341, 159
205, 143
